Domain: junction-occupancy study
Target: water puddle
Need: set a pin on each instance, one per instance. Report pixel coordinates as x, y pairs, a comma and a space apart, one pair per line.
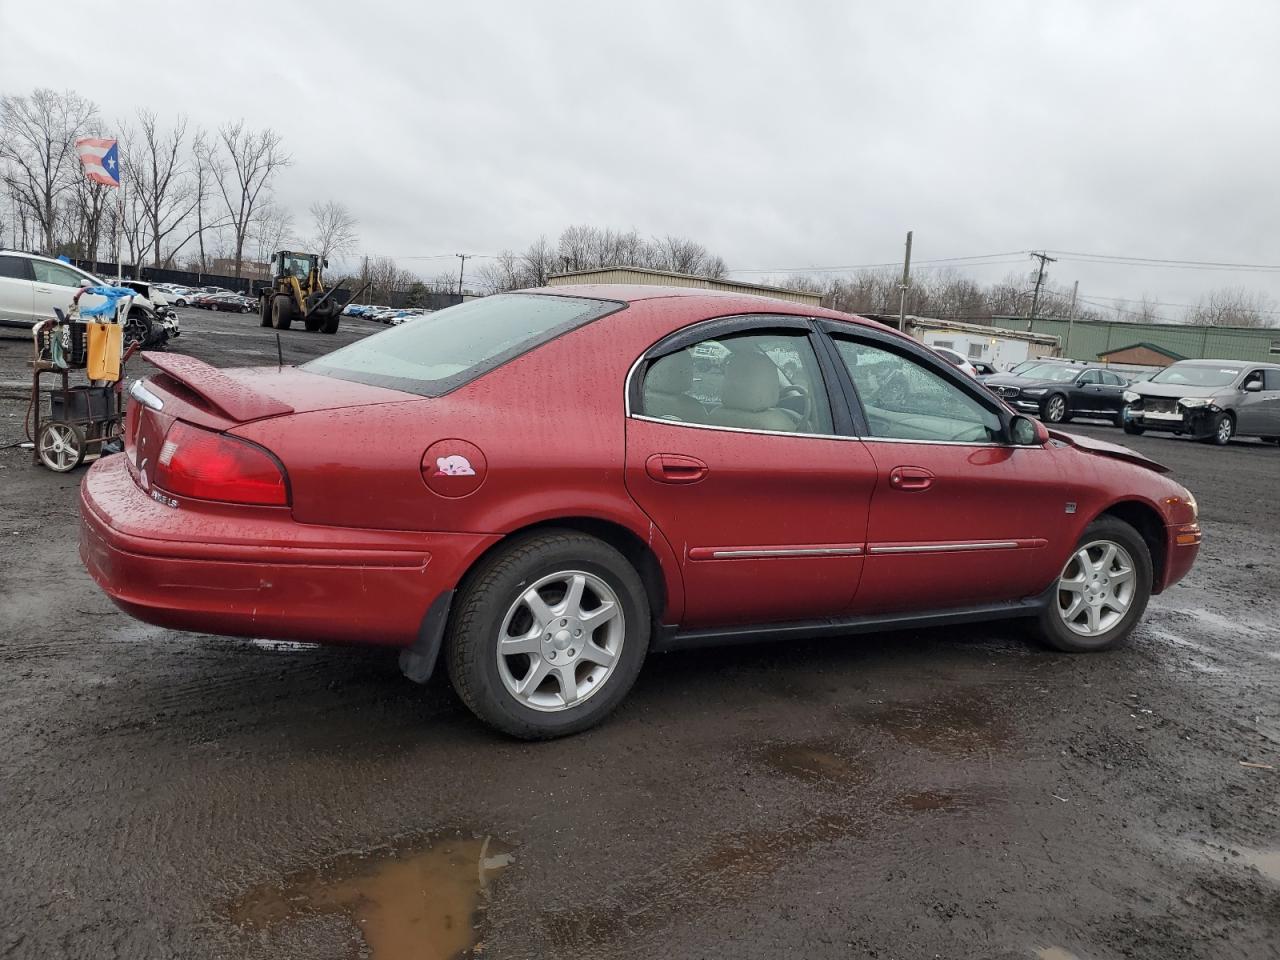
412, 903
814, 763
1054, 953
1266, 862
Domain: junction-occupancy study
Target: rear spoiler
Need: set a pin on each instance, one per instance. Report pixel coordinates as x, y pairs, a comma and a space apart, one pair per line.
231, 397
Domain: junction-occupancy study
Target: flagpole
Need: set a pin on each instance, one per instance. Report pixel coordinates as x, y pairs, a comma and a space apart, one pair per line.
119, 219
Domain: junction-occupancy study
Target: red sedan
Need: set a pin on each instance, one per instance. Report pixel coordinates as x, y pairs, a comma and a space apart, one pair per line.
543, 487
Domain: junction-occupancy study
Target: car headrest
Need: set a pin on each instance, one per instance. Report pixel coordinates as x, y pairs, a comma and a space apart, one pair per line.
750, 382
672, 374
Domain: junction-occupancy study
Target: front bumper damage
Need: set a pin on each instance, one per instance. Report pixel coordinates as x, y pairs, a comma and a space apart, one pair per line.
1198, 422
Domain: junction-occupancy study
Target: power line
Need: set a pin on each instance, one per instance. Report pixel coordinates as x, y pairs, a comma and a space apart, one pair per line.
1163, 262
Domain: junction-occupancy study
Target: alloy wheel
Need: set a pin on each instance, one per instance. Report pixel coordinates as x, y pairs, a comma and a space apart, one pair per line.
1225, 429
1096, 588
1055, 409
560, 640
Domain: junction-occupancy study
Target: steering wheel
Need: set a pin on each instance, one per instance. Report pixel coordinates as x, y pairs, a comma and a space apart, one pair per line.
796, 392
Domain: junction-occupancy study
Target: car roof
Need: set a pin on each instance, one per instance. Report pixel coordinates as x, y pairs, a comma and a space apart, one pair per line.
1238, 364
721, 300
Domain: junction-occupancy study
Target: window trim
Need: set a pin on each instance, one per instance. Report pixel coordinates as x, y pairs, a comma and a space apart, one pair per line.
842, 420
913, 350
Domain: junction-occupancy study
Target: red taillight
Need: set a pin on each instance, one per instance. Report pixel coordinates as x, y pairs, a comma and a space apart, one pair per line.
213, 466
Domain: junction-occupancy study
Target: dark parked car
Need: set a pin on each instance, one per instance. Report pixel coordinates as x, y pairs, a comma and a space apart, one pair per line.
1056, 392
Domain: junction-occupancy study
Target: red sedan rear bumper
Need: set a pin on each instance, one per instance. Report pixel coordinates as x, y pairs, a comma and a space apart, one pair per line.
255, 572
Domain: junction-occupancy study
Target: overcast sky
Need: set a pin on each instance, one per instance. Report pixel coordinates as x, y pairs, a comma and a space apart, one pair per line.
779, 135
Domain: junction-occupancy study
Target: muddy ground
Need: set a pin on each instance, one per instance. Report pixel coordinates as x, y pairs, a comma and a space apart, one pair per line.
949, 793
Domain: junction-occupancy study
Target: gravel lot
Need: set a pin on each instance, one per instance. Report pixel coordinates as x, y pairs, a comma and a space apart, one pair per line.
950, 793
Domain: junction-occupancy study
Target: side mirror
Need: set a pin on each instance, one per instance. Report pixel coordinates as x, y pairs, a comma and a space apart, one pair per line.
326, 263
1025, 432
1253, 386
85, 282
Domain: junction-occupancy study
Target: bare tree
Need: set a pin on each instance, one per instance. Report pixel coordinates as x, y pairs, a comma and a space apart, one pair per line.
1234, 307
37, 151
251, 160
155, 162
334, 228
272, 230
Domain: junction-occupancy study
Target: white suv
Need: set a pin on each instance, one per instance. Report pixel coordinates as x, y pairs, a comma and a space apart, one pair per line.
31, 286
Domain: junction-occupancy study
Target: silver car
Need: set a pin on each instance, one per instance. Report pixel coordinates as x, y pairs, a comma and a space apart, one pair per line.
1208, 399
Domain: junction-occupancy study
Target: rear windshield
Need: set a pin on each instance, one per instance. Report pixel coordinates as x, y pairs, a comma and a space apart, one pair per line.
443, 350
1198, 375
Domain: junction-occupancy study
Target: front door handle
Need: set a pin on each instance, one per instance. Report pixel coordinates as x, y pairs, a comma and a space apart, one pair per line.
910, 479
675, 468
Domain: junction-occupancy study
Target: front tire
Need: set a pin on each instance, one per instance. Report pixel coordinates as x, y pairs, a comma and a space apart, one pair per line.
1054, 409
1223, 430
1102, 591
282, 311
548, 635
1133, 429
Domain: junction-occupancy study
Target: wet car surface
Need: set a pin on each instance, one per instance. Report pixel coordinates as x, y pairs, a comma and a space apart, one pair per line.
947, 792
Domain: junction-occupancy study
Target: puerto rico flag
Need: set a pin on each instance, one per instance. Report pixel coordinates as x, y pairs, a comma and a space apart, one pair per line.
101, 159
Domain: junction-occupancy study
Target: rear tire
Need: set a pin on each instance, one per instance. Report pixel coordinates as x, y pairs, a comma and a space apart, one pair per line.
1083, 614
492, 613
264, 311
282, 311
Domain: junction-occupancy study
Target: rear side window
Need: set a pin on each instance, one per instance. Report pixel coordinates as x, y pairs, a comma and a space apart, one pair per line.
14, 268
1272, 381
769, 382
446, 349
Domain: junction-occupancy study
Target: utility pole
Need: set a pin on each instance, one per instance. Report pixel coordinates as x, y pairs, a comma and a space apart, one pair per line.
1035, 298
1071, 317
364, 278
902, 288
464, 257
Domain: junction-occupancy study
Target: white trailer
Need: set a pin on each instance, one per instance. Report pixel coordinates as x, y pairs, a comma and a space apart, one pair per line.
995, 345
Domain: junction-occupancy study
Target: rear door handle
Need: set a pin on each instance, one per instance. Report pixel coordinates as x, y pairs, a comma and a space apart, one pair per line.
675, 468
910, 479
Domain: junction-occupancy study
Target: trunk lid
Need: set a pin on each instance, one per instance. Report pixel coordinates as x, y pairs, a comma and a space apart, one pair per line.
190, 390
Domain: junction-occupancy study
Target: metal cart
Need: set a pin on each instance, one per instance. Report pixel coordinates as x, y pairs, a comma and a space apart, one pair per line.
82, 418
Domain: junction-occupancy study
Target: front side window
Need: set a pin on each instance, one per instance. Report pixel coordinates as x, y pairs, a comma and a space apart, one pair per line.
1091, 376
55, 273
751, 381
905, 400
446, 349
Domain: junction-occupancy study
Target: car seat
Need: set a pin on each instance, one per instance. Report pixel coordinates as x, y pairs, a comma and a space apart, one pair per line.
749, 396
666, 389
